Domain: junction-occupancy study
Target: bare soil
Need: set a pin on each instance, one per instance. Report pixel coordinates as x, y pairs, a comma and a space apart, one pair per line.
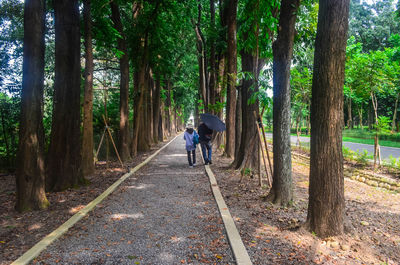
275, 235
272, 235
21, 231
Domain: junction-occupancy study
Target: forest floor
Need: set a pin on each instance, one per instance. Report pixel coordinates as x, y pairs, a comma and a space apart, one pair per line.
272, 235
19, 232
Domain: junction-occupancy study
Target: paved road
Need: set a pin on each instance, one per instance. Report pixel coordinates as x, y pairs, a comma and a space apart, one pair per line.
385, 151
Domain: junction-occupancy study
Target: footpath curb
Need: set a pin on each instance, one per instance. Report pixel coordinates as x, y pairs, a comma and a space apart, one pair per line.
50, 238
237, 246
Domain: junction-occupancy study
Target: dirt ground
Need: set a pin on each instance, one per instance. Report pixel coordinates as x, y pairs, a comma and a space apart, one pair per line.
19, 232
271, 234
275, 235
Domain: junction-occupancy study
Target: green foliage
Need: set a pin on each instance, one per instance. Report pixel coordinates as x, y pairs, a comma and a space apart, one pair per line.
348, 153
246, 171
363, 158
9, 123
257, 24
383, 124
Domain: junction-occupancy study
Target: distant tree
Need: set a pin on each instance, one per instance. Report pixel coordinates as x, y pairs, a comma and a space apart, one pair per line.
30, 174
372, 23
64, 158
326, 192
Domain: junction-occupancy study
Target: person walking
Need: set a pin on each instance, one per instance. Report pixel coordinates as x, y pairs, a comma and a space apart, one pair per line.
205, 135
192, 139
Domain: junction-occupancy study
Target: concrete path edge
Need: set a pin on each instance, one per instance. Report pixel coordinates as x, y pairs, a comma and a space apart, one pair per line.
50, 238
237, 246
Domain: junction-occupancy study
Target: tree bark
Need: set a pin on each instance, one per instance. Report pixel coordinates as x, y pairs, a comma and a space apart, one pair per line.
64, 158
30, 174
87, 137
141, 123
219, 140
349, 114
124, 134
201, 59
5, 135
326, 193
231, 6
238, 120
360, 115
249, 128
377, 148
168, 102
282, 191
212, 60
156, 109
395, 113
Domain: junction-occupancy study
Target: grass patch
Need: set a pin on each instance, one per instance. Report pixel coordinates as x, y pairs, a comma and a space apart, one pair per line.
371, 141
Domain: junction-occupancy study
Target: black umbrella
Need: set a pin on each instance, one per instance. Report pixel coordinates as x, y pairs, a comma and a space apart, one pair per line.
213, 122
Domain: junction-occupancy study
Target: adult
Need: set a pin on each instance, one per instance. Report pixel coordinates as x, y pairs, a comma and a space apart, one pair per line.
205, 135
189, 136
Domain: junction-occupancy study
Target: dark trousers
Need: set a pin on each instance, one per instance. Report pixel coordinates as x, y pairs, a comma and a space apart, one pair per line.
189, 154
206, 148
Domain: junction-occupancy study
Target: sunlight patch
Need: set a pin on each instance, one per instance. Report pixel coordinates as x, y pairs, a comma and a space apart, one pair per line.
34, 227
177, 155
141, 186
76, 209
121, 216
167, 257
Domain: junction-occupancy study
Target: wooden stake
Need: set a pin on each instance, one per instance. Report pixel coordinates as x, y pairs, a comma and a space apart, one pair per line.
101, 142
266, 144
261, 145
112, 140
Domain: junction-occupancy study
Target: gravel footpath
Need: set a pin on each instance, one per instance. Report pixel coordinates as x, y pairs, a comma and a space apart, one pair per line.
163, 214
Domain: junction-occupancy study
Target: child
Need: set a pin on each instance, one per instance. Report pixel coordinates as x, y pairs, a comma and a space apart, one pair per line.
191, 138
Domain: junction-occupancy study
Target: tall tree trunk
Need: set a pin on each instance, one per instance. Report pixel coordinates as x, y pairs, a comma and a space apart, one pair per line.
143, 144
377, 148
360, 115
64, 158
138, 81
238, 120
231, 6
219, 139
370, 118
326, 193
156, 109
201, 59
395, 113
137, 75
87, 137
124, 134
282, 190
161, 125
349, 115
168, 117
5, 136
30, 174
149, 111
213, 72
249, 128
